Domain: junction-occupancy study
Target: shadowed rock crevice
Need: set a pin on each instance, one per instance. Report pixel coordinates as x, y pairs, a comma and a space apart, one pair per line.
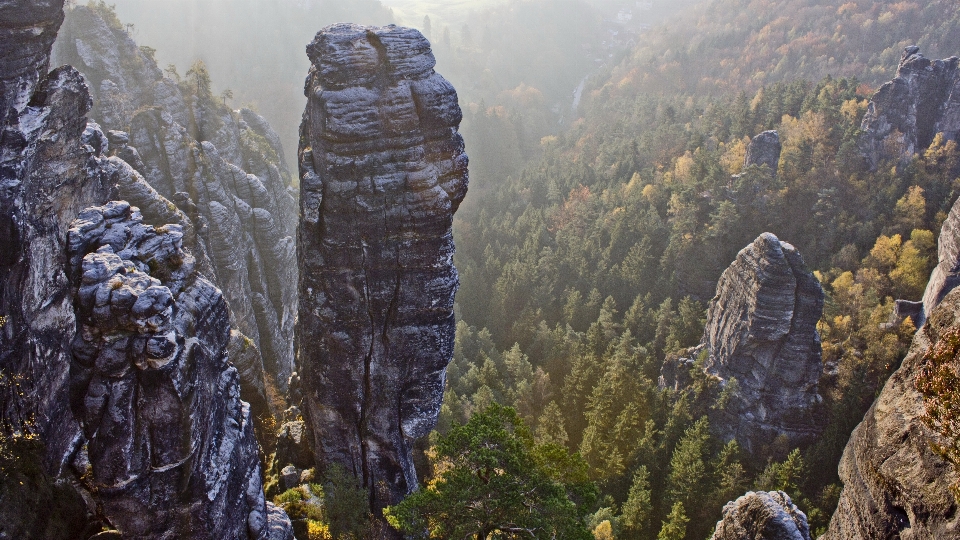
382, 172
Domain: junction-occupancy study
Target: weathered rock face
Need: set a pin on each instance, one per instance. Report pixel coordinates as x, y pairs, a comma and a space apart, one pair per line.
27, 31
47, 176
894, 484
764, 149
946, 276
223, 169
906, 113
762, 331
383, 169
762, 516
169, 443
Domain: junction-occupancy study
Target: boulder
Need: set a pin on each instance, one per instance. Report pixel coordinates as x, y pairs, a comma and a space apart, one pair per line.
762, 516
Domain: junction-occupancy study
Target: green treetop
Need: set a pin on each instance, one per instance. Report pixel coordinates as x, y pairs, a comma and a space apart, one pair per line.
492, 481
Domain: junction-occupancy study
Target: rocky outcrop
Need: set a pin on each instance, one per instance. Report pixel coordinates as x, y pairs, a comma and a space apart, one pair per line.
907, 113
27, 32
223, 169
124, 394
168, 442
48, 175
382, 169
762, 516
764, 149
762, 331
946, 275
894, 484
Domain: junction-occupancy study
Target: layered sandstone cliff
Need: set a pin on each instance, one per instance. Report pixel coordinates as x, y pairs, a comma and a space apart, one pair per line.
762, 332
382, 169
907, 113
113, 350
48, 176
224, 169
895, 485
946, 275
168, 442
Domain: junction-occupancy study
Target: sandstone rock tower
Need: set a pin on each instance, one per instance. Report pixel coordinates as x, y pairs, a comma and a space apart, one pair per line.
762, 331
382, 171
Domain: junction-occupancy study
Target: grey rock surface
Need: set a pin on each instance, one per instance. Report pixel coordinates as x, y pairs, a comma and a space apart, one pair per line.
223, 169
170, 444
762, 331
894, 484
906, 113
762, 516
48, 174
383, 170
27, 31
764, 149
946, 275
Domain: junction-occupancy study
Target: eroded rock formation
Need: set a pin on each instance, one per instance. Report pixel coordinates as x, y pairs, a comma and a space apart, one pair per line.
764, 149
894, 484
48, 175
762, 516
126, 388
946, 275
907, 113
223, 169
382, 169
762, 331
169, 443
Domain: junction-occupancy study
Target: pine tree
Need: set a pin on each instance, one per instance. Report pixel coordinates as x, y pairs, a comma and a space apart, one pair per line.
675, 527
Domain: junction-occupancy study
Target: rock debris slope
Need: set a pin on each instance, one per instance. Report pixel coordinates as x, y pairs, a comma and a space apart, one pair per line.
383, 170
762, 331
907, 113
224, 169
894, 484
170, 445
762, 516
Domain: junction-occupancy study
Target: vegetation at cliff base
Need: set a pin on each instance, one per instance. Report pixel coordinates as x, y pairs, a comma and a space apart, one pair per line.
492, 478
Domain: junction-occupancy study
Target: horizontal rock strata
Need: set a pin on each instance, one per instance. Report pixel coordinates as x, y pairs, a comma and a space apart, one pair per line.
762, 331
383, 169
223, 169
170, 444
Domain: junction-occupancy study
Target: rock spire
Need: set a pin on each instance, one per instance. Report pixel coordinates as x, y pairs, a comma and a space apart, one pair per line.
382, 171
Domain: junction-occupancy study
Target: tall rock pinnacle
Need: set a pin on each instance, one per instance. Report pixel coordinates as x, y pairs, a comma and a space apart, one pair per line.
382, 171
762, 331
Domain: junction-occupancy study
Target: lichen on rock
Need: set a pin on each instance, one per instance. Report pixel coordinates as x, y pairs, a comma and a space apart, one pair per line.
169, 442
